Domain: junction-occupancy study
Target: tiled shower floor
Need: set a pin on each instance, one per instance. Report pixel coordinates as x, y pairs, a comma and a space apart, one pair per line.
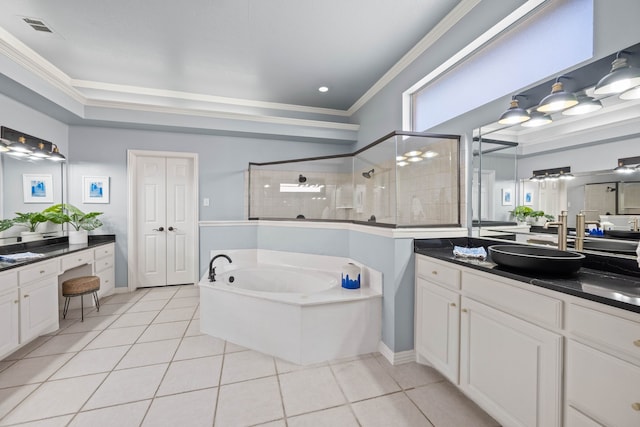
142, 361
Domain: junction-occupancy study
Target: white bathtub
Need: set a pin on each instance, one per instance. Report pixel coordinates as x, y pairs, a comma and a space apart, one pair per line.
299, 314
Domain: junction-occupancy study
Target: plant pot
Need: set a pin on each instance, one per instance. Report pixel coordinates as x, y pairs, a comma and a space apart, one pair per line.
30, 236
80, 237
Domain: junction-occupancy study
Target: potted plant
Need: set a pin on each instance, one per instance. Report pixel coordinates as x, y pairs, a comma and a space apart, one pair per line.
536, 216
5, 224
81, 222
520, 213
31, 220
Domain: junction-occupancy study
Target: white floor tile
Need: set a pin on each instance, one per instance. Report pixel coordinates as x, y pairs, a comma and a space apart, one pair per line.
410, 375
159, 294
187, 291
284, 366
363, 379
127, 297
32, 370
299, 397
195, 409
192, 374
248, 403
164, 331
446, 406
199, 346
10, 397
390, 411
127, 385
97, 323
28, 348
149, 353
134, 319
127, 415
116, 337
341, 416
108, 309
183, 302
65, 343
277, 423
143, 305
193, 329
174, 314
92, 362
4, 364
230, 347
246, 365
55, 398
50, 422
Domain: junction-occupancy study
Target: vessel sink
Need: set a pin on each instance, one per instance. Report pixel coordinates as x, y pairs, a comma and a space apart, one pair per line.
538, 259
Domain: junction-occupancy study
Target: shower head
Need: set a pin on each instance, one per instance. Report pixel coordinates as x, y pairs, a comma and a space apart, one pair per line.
368, 174
302, 179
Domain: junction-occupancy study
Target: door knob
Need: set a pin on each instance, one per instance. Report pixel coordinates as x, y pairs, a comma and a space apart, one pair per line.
172, 229
158, 229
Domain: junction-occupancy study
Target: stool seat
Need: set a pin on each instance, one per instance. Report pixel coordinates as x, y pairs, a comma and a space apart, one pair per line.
79, 286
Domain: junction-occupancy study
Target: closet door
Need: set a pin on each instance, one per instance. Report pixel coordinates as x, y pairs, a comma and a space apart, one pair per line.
180, 214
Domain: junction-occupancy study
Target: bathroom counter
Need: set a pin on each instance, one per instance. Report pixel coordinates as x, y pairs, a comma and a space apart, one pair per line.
612, 281
50, 248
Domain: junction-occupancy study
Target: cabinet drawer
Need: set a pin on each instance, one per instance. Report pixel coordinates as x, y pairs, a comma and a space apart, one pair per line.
603, 387
107, 282
73, 260
441, 274
103, 264
8, 280
577, 419
103, 251
614, 333
39, 270
538, 308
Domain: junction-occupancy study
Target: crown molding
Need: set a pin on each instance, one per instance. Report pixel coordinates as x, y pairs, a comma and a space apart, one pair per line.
452, 18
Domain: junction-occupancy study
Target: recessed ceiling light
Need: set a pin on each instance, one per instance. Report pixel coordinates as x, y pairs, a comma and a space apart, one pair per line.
323, 89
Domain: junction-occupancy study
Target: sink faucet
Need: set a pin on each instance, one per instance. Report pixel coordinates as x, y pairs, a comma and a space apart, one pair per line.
212, 269
562, 230
580, 226
634, 223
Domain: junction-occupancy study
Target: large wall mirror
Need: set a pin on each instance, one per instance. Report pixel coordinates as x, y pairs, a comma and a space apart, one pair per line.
561, 147
31, 182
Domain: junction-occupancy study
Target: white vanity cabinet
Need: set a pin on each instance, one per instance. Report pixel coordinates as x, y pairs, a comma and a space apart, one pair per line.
104, 267
603, 367
9, 312
38, 293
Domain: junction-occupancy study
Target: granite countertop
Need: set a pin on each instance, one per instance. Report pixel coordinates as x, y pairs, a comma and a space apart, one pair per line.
614, 281
50, 248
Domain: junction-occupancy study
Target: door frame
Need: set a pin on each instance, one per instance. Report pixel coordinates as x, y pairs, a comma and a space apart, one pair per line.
132, 246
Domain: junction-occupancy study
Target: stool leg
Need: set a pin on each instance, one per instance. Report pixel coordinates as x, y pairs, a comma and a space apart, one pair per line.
95, 297
66, 307
82, 308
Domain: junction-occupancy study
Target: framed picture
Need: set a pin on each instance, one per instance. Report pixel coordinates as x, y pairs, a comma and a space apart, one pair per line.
507, 197
95, 189
528, 198
37, 188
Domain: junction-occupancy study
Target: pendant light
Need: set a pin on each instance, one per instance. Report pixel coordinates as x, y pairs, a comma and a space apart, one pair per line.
56, 156
586, 105
514, 114
631, 94
40, 152
537, 120
621, 77
20, 146
557, 100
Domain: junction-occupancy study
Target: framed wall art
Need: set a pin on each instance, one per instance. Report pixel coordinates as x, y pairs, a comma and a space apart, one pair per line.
37, 188
95, 189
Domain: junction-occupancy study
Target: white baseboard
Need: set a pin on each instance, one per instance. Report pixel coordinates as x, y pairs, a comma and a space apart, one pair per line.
396, 358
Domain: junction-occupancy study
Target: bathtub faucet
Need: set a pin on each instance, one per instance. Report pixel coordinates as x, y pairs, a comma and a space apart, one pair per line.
212, 269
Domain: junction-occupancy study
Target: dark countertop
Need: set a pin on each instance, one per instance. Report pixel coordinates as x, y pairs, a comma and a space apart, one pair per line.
50, 248
608, 280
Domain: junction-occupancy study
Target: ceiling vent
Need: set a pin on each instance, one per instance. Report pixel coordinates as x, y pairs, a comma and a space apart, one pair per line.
37, 25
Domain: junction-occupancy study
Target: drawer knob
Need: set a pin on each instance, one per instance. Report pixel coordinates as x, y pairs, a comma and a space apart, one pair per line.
434, 272
635, 406
453, 304
636, 343
15, 301
26, 296
464, 310
42, 271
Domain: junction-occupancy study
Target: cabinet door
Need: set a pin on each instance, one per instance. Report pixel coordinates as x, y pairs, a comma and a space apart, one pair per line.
604, 387
510, 367
8, 322
437, 327
107, 282
38, 308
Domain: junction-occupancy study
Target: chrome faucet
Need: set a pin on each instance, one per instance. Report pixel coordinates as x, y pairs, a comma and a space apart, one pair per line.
580, 227
562, 230
212, 269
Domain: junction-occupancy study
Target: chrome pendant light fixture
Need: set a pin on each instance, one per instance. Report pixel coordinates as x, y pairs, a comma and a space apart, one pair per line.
515, 114
631, 94
20, 146
56, 156
621, 77
537, 120
557, 100
586, 105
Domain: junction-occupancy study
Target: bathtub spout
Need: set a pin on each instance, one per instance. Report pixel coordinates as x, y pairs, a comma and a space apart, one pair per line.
212, 269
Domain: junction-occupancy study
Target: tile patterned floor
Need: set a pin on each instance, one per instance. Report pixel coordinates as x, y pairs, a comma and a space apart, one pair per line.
141, 361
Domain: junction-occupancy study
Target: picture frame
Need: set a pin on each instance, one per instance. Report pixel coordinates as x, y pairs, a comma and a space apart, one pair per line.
507, 197
37, 188
528, 199
95, 189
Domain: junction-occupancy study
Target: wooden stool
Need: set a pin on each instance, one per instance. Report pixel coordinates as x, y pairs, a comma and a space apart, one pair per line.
79, 286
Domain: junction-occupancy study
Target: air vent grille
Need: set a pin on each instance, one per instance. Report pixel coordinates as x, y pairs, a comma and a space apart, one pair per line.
37, 24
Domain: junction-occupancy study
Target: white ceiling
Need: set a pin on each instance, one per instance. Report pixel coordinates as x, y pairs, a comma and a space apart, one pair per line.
277, 51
